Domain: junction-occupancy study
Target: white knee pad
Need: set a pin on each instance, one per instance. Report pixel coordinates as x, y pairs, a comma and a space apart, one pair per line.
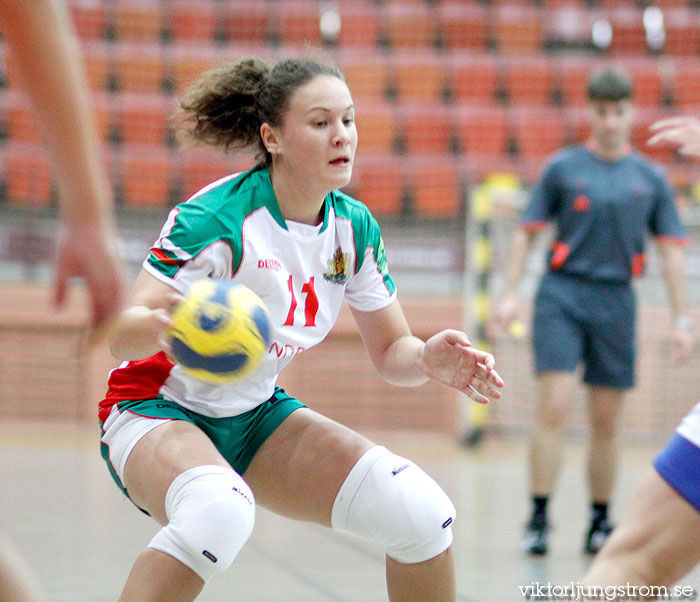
211, 511
391, 500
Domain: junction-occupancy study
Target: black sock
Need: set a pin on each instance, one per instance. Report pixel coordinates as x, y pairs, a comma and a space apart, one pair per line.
599, 512
539, 508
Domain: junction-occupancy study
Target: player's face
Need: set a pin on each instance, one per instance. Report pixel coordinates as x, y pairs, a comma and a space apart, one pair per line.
611, 124
318, 138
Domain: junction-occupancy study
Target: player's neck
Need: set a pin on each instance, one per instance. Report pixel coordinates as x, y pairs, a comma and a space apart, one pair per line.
609, 153
297, 202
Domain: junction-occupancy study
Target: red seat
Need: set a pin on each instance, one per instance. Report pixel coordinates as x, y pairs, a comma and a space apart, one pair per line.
528, 79
472, 77
20, 124
686, 81
434, 186
463, 25
628, 32
97, 63
198, 168
376, 127
378, 181
194, 20
297, 21
89, 19
246, 21
517, 28
418, 75
578, 124
641, 133
537, 131
409, 25
185, 63
366, 72
28, 175
572, 73
145, 175
139, 67
137, 20
481, 130
144, 118
359, 24
569, 25
682, 26
426, 128
648, 83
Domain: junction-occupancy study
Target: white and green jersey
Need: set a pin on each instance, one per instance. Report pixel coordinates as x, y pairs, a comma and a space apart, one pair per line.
233, 229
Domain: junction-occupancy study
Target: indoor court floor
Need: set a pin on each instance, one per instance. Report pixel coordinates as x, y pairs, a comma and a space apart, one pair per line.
64, 514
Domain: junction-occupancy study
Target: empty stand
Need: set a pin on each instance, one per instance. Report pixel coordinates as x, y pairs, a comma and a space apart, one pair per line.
425, 128
198, 168
537, 131
246, 21
572, 73
145, 175
528, 79
366, 72
89, 19
578, 124
185, 63
482, 130
137, 20
297, 21
144, 118
376, 126
418, 75
628, 33
682, 26
434, 185
194, 20
28, 175
640, 134
139, 67
20, 125
463, 25
685, 81
517, 28
360, 25
568, 26
96, 56
409, 25
378, 181
473, 77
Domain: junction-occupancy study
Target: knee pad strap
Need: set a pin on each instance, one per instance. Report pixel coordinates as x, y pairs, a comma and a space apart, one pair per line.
391, 500
211, 512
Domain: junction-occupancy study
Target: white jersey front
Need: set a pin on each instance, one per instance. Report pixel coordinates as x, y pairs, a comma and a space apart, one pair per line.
233, 229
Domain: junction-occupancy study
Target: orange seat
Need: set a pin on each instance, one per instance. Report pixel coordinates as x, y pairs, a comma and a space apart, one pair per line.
528, 79
568, 25
537, 131
481, 130
517, 28
378, 181
682, 31
186, 62
139, 67
198, 168
648, 83
89, 19
409, 25
194, 20
628, 32
97, 62
578, 124
297, 21
473, 77
28, 175
463, 25
145, 175
426, 128
434, 186
641, 133
137, 20
686, 82
20, 125
144, 118
366, 72
359, 24
376, 126
418, 75
246, 21
572, 73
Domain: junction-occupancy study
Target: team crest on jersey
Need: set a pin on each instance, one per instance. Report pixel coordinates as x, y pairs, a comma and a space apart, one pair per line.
337, 267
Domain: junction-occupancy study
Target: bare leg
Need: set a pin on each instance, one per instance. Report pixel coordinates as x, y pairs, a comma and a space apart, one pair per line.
604, 405
312, 454
657, 542
16, 582
556, 392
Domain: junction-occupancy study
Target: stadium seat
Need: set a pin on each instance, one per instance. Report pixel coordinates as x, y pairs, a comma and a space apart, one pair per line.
517, 28
528, 79
472, 77
366, 72
246, 21
143, 118
145, 175
577, 124
137, 20
139, 67
685, 81
89, 19
96, 56
463, 25
28, 175
409, 25
568, 26
417, 75
193, 20
682, 26
186, 62
482, 130
378, 181
628, 33
20, 125
538, 131
572, 73
376, 126
297, 22
197, 168
359, 24
434, 186
640, 133
425, 128
648, 84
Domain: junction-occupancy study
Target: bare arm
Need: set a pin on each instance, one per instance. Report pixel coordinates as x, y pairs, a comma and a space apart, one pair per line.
45, 51
447, 357
672, 260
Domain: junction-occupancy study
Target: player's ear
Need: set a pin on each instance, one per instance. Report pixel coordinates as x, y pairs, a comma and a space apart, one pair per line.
269, 138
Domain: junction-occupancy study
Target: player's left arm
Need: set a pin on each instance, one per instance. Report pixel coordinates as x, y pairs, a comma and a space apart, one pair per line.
447, 357
672, 258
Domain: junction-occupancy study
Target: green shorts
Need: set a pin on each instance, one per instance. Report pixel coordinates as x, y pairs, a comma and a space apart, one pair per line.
237, 438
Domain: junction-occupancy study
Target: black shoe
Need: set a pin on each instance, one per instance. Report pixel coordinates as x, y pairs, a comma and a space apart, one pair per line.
597, 535
535, 540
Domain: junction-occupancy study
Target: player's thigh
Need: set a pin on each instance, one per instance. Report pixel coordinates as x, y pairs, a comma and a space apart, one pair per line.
555, 397
300, 468
159, 457
604, 408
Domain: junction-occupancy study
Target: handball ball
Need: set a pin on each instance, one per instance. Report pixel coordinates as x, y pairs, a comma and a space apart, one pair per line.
220, 331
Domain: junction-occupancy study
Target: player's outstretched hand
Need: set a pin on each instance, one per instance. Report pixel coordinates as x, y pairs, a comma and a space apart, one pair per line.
449, 358
87, 253
681, 132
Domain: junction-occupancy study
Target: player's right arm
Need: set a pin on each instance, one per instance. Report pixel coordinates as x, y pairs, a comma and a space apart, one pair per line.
141, 328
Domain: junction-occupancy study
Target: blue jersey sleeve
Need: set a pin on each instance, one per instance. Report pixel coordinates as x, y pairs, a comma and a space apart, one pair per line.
664, 221
544, 201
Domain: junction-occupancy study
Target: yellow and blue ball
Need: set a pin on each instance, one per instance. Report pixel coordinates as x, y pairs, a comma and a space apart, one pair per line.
220, 331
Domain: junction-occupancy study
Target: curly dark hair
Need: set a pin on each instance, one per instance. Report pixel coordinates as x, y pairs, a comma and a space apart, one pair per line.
229, 103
